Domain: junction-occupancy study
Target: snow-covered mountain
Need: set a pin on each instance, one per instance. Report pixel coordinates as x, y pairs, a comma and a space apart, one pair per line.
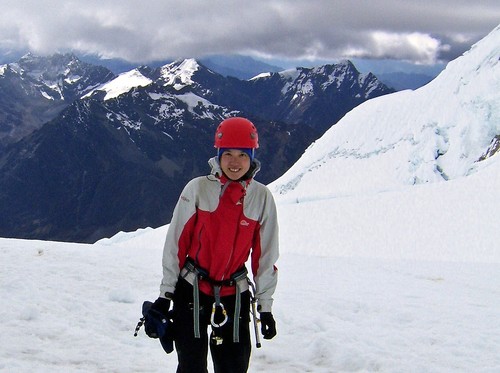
123, 83
178, 75
36, 89
128, 143
302, 82
317, 97
60, 76
442, 131
293, 95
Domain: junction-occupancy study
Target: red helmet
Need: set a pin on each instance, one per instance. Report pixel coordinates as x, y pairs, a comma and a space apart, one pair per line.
236, 133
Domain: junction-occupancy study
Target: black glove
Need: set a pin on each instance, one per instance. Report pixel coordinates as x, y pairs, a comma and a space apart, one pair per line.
268, 328
161, 305
156, 317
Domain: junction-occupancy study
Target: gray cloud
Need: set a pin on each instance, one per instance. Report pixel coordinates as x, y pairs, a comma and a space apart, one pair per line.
139, 31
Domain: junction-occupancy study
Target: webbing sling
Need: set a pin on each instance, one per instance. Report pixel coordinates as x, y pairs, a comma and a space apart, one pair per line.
193, 274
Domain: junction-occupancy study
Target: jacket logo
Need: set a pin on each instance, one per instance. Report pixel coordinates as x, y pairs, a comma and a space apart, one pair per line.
244, 223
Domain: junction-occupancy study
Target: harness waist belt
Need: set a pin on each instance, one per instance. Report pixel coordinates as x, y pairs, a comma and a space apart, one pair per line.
191, 275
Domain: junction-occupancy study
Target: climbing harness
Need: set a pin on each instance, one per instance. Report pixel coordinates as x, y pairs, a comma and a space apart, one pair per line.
193, 274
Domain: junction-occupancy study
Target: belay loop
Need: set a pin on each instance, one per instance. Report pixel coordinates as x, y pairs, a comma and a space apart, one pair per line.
212, 317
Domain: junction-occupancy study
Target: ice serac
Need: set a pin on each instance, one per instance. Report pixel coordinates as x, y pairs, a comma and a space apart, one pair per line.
442, 131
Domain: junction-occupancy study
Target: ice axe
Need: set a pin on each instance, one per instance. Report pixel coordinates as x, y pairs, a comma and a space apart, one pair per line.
256, 320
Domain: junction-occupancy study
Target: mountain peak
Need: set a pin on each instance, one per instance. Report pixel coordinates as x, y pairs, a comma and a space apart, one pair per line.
56, 62
123, 83
341, 76
35, 89
179, 74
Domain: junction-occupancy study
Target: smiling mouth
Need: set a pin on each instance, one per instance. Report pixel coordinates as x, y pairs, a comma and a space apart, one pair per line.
235, 169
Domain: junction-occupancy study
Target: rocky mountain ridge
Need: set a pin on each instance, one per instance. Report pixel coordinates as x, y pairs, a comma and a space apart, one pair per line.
117, 157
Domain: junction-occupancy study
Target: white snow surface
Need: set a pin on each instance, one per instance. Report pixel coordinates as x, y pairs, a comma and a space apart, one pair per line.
400, 281
382, 268
123, 83
179, 73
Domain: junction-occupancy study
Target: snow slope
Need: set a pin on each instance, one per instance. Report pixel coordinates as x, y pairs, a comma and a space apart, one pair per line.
401, 281
123, 83
435, 133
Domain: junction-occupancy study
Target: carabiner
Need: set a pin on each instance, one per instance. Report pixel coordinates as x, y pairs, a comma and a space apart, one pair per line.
212, 317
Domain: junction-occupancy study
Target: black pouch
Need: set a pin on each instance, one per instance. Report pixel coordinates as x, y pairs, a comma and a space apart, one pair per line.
163, 325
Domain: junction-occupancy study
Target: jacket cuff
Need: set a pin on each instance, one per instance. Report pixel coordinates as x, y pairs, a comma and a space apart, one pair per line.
264, 305
166, 292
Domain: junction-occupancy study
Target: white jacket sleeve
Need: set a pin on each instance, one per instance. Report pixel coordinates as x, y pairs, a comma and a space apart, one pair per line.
184, 210
266, 275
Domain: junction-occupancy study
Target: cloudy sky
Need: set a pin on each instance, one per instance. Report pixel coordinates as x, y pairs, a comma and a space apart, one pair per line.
423, 31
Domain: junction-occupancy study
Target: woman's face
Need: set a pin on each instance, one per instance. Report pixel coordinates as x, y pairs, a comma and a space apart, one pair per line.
234, 163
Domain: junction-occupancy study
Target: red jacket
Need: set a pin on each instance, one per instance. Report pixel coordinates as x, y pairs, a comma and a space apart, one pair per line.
219, 224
